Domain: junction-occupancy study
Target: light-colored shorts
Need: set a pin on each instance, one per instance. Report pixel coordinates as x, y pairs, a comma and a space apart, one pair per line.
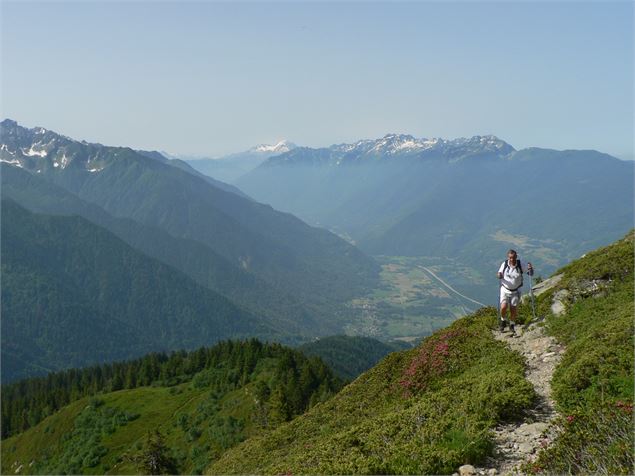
512, 297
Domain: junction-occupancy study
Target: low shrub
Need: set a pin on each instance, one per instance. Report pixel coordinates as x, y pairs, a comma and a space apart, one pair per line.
597, 442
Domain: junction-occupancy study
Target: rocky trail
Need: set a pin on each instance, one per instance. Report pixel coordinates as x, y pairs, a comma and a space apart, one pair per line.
516, 442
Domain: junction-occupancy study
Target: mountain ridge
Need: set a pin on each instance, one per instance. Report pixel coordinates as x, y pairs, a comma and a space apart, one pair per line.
466, 204
73, 294
276, 246
399, 145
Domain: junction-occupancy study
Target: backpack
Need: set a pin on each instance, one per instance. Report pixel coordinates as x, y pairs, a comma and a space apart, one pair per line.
519, 267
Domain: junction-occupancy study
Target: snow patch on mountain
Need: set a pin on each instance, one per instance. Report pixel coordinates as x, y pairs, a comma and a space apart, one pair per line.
15, 162
32, 152
401, 145
279, 148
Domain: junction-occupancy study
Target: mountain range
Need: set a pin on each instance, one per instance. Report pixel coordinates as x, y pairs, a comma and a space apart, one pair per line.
268, 263
73, 294
467, 199
230, 167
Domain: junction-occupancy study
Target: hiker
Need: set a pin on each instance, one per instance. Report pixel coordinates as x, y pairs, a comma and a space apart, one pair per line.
511, 275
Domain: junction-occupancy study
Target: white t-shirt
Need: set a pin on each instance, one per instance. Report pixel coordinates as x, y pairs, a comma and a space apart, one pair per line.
512, 277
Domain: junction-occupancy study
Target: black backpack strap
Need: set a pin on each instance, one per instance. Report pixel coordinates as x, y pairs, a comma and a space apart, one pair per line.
519, 266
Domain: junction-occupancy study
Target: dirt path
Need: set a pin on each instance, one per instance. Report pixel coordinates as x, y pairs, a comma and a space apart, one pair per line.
516, 442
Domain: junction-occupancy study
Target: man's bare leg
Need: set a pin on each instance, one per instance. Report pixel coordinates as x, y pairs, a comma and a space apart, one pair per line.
513, 312
503, 315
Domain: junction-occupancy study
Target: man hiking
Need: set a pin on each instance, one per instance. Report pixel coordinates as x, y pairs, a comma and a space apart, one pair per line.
510, 274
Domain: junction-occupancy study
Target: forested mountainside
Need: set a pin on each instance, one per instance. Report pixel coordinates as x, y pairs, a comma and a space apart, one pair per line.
278, 248
200, 403
291, 279
287, 313
73, 294
184, 165
349, 356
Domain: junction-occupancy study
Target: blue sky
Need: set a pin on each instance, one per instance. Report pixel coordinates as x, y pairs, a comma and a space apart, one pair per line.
211, 78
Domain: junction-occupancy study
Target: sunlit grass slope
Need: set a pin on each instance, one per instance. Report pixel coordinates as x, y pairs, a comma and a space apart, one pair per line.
593, 384
257, 386
423, 411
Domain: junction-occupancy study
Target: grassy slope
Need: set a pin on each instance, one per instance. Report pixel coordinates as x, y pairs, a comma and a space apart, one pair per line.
199, 422
158, 408
593, 384
423, 411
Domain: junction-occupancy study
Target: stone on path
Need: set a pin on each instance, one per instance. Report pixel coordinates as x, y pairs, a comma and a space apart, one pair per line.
467, 470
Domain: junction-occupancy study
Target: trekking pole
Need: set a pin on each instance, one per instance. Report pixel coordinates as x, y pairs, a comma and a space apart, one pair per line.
498, 302
531, 295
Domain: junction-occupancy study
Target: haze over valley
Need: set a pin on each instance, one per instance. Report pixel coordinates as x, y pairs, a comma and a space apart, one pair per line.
421, 223
277, 238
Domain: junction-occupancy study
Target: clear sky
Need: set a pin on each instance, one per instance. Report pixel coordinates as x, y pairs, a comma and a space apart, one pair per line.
212, 78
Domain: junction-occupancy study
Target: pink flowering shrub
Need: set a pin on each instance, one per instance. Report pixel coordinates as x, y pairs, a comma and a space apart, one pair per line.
439, 354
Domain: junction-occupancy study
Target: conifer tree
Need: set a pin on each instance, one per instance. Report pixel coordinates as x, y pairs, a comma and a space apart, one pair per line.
154, 457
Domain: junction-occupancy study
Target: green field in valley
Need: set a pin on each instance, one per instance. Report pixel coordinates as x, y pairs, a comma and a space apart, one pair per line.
417, 295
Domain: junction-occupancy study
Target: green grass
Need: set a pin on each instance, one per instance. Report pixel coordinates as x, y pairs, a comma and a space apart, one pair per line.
399, 417
199, 419
593, 384
156, 408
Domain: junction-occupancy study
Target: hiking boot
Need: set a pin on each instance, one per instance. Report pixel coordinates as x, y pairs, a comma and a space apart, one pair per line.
512, 328
501, 325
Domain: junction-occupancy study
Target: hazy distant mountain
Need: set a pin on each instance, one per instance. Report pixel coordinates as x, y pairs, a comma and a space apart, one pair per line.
74, 294
396, 145
183, 165
284, 312
230, 167
467, 199
308, 264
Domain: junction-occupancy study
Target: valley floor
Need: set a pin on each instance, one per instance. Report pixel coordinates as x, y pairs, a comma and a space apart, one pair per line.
417, 296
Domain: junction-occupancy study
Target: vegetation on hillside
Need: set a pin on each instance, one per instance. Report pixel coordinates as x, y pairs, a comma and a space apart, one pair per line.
284, 311
349, 356
423, 411
270, 384
429, 410
73, 295
593, 385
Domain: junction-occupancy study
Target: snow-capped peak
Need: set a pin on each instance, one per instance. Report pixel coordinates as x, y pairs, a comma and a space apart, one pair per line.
278, 148
404, 144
